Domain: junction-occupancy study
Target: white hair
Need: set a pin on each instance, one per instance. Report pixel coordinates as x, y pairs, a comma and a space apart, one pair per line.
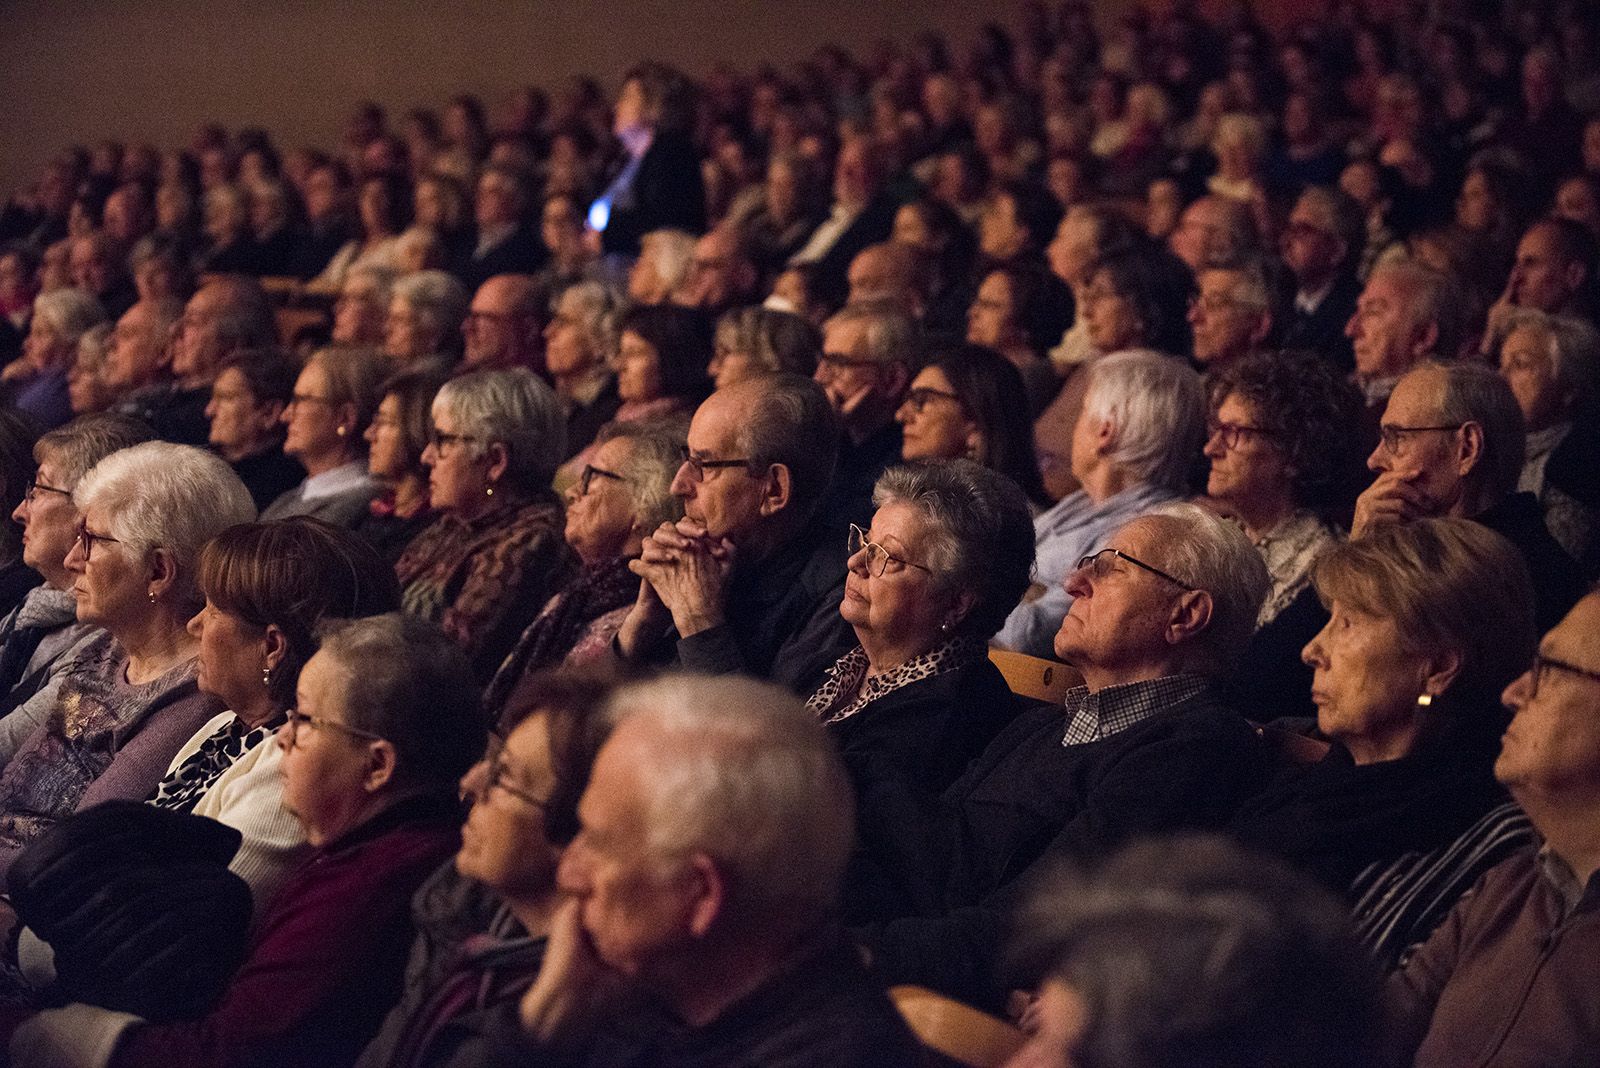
382, 279
71, 312
744, 773
1157, 406
172, 497
1211, 553
674, 253
516, 409
437, 298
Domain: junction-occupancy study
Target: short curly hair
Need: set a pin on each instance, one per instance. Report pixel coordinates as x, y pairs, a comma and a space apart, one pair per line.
1307, 408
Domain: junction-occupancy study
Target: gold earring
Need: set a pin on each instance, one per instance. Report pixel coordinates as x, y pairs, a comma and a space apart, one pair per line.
341, 431
152, 598
1424, 700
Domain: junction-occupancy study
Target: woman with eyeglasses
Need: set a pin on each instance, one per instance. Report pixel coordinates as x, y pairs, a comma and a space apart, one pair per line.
384, 724
968, 402
130, 701
482, 569
483, 918
1429, 621
946, 559
618, 500
396, 438
1282, 458
333, 401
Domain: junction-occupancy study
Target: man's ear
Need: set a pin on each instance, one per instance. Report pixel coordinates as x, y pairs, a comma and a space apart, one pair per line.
1105, 436
1424, 340
1191, 614
708, 894
1469, 448
1262, 328
896, 379
777, 490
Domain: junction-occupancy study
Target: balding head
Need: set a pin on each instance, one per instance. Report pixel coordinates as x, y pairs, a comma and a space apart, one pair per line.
505, 323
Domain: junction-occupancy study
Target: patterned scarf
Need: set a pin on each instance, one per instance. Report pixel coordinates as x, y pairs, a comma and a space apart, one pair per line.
848, 689
183, 787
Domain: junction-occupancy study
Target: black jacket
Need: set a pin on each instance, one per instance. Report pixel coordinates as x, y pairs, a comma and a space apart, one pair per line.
1322, 331
520, 253
1558, 581
667, 191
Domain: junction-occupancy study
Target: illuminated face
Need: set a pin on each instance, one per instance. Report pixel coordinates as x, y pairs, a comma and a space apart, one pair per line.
901, 603
1527, 366
1254, 469
1553, 743
1365, 684
933, 421
1383, 331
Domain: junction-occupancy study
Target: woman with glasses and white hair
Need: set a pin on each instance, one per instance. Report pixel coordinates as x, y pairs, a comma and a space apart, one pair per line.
495, 554
334, 399
131, 700
946, 558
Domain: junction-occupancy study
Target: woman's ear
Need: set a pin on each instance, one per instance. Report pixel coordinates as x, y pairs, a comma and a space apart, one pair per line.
161, 572
499, 460
1440, 673
382, 762
959, 609
346, 416
277, 646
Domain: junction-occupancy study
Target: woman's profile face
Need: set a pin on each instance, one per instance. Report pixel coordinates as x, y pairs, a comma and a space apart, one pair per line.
638, 369
600, 510
1365, 684
503, 842
934, 423
901, 604
1248, 467
232, 656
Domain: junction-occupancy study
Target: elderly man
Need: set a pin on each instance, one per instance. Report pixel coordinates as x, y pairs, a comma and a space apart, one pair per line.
1451, 443
750, 580
1407, 313
713, 836
227, 316
504, 327
1509, 977
99, 268
1554, 273
870, 353
1214, 230
1134, 441
1319, 248
862, 214
721, 275
891, 272
662, 266
506, 243
1162, 610
1231, 315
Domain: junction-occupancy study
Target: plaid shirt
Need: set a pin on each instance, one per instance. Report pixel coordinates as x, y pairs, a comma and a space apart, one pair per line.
1093, 716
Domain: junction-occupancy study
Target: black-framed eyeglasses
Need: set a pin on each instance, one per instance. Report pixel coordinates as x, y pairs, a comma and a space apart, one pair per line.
878, 558
498, 778
1233, 433
832, 363
1100, 565
918, 398
440, 440
1390, 435
698, 465
36, 487
590, 472
1542, 663
294, 719
86, 540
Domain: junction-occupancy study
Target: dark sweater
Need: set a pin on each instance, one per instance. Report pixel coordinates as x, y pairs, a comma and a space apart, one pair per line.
1558, 581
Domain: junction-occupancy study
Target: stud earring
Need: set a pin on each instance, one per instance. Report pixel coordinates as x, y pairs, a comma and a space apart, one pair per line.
1424, 700
341, 431
152, 598
488, 491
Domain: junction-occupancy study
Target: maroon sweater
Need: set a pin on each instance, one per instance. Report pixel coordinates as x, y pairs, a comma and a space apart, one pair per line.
327, 959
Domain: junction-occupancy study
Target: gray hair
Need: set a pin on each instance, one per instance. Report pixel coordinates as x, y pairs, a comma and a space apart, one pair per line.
173, 497
86, 441
1574, 348
596, 308
1243, 129
1212, 554
382, 279
982, 534
516, 409
674, 255
355, 377
788, 420
437, 298
654, 456
406, 682
1432, 296
1341, 215
1248, 285
1473, 393
1157, 405
775, 340
69, 311
891, 334
745, 774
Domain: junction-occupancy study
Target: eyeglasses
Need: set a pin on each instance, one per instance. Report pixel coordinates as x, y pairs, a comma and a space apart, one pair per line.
586, 479
294, 718
1390, 435
698, 466
498, 777
1542, 663
878, 558
832, 363
36, 487
440, 440
1233, 433
919, 397
86, 539
1100, 565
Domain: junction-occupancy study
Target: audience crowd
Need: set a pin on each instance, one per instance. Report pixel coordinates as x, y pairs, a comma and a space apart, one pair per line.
1100, 524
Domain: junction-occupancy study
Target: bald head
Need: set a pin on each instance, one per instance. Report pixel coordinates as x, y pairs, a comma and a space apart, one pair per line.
503, 325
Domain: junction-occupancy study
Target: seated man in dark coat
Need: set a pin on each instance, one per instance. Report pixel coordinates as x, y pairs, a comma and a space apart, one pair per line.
1451, 444
1146, 745
704, 877
750, 580
507, 243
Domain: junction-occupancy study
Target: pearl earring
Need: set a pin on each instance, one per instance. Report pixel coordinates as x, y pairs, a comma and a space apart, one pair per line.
266, 676
488, 491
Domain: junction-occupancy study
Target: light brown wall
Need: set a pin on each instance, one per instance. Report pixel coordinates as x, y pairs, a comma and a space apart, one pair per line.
84, 70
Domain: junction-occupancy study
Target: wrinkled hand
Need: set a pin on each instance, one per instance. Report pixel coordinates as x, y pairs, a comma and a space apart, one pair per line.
574, 988
1393, 497
18, 369
687, 570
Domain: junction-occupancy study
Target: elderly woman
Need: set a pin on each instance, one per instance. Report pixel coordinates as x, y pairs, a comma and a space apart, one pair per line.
621, 497
580, 342
384, 723
1430, 621
395, 439
37, 382
361, 312
1138, 299
948, 556
230, 246
1552, 364
246, 414
754, 341
130, 701
384, 207
424, 324
495, 554
524, 812
333, 401
1281, 460
969, 402
87, 390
